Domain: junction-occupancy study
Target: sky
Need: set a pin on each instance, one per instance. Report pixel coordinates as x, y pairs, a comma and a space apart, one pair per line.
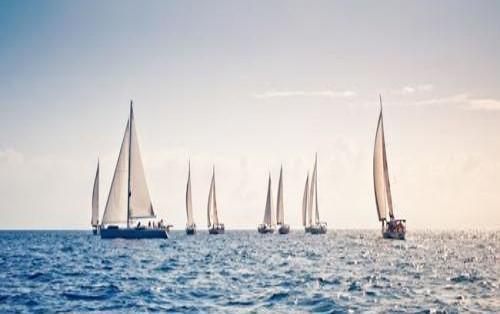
248, 86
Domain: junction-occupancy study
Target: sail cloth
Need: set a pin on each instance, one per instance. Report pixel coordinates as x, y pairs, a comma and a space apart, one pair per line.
189, 202
95, 199
382, 186
140, 201
305, 202
212, 216
116, 205
313, 197
269, 215
280, 215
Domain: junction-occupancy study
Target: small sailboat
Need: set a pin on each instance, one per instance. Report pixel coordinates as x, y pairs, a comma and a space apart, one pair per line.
394, 228
94, 221
280, 210
305, 201
128, 200
214, 226
315, 225
269, 223
190, 225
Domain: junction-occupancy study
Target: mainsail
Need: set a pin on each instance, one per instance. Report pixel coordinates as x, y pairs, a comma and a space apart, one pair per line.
212, 217
95, 199
313, 196
128, 196
189, 203
305, 202
269, 217
382, 186
279, 205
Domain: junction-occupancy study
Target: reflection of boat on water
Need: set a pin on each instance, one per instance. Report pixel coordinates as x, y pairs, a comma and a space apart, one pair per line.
214, 226
95, 203
280, 208
313, 224
129, 201
269, 222
190, 225
394, 228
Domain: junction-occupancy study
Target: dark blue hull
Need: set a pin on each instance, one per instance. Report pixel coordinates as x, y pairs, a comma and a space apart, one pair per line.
129, 233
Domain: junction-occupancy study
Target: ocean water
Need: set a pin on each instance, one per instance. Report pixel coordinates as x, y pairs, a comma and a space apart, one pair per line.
242, 271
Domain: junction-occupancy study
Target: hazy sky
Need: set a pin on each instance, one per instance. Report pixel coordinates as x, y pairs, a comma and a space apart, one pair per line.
247, 86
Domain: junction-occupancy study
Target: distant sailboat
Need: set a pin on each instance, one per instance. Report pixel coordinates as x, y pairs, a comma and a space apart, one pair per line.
269, 222
305, 201
395, 228
128, 199
315, 225
214, 226
95, 203
190, 225
280, 208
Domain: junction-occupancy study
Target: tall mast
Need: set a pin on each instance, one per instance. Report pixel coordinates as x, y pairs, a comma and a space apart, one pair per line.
129, 163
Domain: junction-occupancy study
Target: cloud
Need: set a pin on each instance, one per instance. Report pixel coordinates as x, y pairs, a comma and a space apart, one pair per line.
466, 101
407, 90
11, 156
301, 93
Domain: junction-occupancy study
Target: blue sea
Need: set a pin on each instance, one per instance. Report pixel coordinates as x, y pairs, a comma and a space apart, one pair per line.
243, 271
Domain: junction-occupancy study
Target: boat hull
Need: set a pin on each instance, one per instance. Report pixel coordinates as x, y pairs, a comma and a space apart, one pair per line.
190, 230
216, 230
94, 231
263, 229
320, 229
284, 229
394, 235
132, 233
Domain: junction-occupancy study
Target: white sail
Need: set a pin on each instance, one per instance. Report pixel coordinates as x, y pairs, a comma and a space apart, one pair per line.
279, 205
212, 215
95, 199
381, 174
305, 202
140, 202
269, 216
189, 203
315, 175
116, 205
312, 203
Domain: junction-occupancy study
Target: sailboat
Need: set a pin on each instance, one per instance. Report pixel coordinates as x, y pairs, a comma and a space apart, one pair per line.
394, 228
128, 200
305, 201
267, 226
214, 226
190, 225
280, 210
315, 225
95, 203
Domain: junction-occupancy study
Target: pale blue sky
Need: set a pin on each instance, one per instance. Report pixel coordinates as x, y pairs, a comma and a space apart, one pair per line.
247, 86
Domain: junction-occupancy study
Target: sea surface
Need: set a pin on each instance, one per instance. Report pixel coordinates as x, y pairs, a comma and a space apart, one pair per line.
243, 271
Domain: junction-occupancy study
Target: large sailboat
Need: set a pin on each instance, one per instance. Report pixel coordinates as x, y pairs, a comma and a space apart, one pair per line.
269, 222
190, 225
394, 228
280, 208
129, 201
214, 226
315, 225
94, 221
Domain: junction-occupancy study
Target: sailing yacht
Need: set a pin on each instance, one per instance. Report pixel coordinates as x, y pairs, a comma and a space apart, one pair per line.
267, 226
280, 210
190, 225
394, 228
94, 221
214, 226
305, 197
315, 225
128, 200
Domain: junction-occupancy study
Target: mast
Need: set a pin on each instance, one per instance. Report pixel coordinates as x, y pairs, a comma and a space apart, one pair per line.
129, 161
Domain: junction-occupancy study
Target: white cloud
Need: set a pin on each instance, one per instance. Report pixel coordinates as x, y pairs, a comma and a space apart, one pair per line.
486, 104
407, 90
11, 156
454, 99
465, 100
301, 93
